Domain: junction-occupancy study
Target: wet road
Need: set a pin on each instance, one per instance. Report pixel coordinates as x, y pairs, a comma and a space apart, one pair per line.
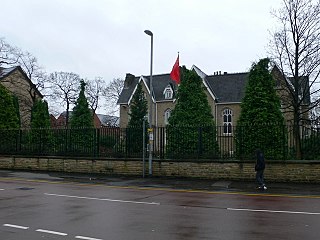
42, 209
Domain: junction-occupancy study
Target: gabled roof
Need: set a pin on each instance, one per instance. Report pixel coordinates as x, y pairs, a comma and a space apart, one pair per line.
4, 72
228, 88
304, 89
303, 84
198, 71
107, 120
64, 114
129, 85
224, 88
159, 83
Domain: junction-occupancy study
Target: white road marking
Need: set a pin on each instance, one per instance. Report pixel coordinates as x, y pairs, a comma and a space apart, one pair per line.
51, 232
272, 211
101, 199
15, 226
1, 189
87, 238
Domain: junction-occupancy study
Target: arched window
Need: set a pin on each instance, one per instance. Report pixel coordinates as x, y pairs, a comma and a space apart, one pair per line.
227, 121
167, 115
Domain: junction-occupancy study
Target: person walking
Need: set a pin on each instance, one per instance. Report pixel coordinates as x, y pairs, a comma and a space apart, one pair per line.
259, 168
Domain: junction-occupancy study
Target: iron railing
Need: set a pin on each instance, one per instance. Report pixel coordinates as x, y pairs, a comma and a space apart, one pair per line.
212, 143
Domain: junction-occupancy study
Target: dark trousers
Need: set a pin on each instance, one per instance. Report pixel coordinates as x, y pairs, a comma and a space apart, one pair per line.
260, 177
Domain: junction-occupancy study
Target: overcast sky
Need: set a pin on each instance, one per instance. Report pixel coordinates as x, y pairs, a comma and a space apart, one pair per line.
106, 38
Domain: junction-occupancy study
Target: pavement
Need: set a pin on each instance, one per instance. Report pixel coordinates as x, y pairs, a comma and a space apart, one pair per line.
309, 189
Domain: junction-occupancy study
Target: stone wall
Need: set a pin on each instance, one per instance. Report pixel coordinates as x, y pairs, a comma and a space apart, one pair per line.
293, 171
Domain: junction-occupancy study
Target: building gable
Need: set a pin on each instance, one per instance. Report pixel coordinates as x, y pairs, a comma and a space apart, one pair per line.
204, 81
159, 84
144, 82
19, 84
6, 72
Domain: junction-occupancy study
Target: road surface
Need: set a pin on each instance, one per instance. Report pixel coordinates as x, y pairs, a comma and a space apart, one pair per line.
33, 209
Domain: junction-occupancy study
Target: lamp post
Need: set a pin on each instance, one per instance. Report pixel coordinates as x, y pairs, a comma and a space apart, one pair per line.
150, 130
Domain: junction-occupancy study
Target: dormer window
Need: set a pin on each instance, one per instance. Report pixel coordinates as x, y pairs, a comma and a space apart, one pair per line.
168, 93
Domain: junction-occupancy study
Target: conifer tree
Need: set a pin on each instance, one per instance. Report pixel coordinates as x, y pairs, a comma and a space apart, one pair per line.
81, 115
138, 111
17, 108
8, 113
40, 115
139, 108
82, 133
191, 130
8, 121
261, 123
40, 134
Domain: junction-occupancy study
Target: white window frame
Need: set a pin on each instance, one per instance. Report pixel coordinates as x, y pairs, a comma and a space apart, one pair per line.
168, 93
167, 114
227, 115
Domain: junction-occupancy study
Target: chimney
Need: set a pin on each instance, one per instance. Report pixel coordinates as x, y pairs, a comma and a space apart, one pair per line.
129, 80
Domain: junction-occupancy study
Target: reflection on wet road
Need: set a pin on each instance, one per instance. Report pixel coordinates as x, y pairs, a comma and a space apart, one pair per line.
32, 210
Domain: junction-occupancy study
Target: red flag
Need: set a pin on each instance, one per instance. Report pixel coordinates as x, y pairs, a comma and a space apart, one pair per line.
175, 73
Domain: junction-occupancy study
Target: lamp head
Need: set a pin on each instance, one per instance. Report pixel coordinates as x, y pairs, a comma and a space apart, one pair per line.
148, 32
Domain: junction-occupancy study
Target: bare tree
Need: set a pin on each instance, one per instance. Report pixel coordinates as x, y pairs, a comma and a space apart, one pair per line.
8, 55
94, 90
315, 115
12, 56
65, 88
295, 49
112, 93
32, 68
35, 73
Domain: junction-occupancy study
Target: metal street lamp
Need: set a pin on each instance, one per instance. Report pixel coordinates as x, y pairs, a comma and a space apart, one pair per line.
150, 130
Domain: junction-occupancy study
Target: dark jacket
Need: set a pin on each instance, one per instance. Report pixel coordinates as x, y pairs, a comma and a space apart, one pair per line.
260, 164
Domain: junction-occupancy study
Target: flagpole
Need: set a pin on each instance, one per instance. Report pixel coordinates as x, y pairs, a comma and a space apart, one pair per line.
179, 67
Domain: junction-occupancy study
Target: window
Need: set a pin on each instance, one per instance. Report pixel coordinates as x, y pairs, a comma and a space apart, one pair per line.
227, 121
168, 93
145, 96
167, 115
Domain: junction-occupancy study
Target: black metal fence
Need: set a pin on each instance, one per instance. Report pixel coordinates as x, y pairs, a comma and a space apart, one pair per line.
214, 143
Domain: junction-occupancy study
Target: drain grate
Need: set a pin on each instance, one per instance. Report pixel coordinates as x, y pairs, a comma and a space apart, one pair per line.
25, 188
